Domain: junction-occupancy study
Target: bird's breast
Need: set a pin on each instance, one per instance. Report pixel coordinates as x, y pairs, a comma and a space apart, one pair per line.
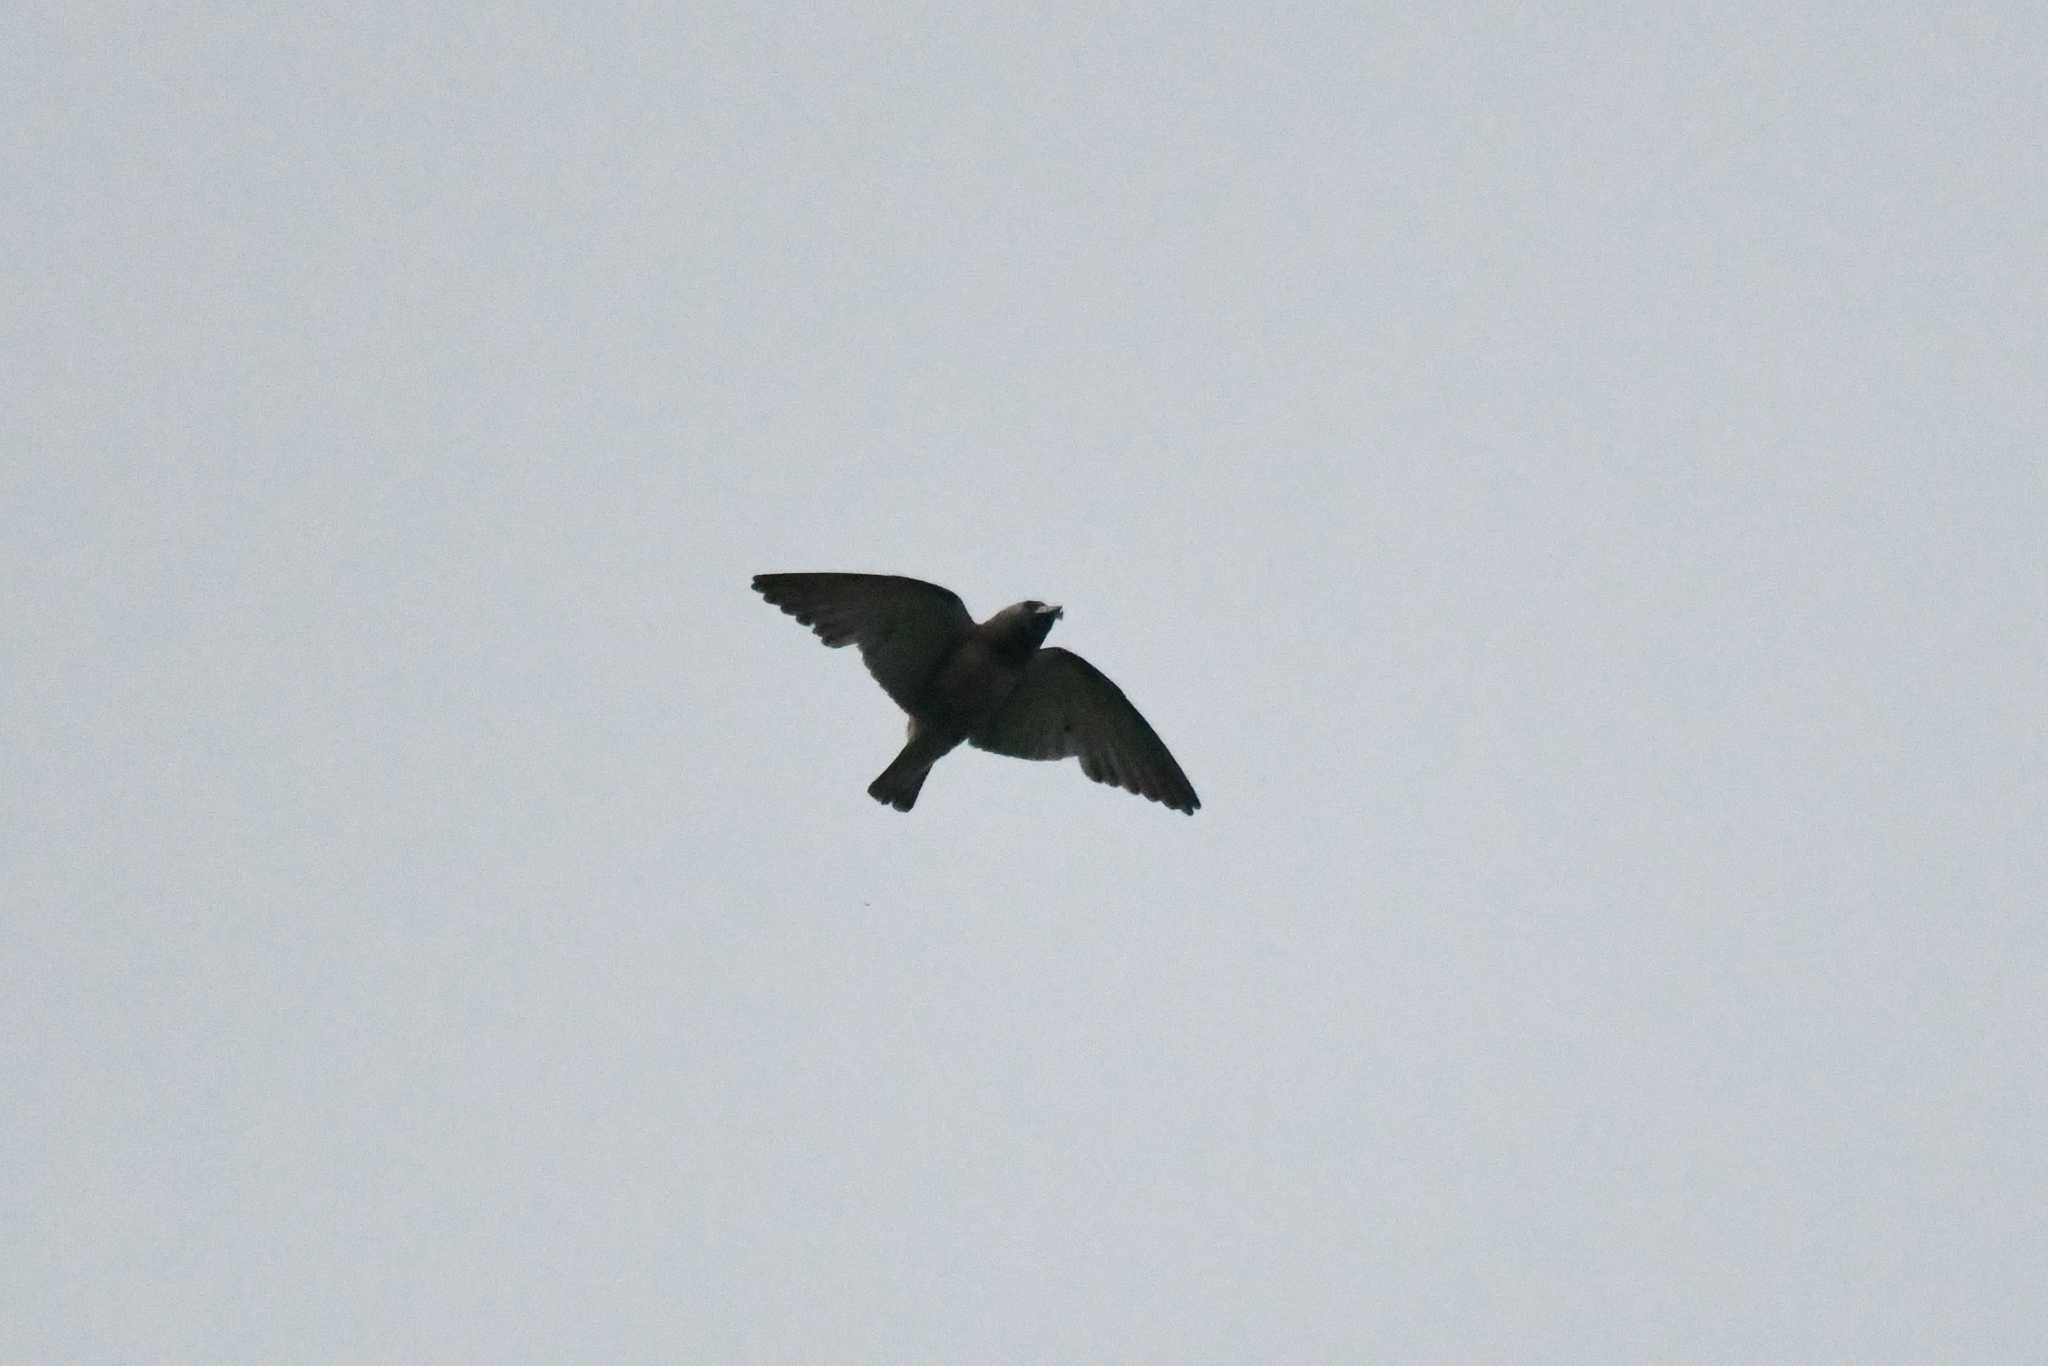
969, 687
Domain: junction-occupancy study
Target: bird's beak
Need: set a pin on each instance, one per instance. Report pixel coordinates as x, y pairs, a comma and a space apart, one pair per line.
1055, 612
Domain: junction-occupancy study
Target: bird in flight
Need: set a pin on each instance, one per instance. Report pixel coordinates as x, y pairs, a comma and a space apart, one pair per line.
994, 685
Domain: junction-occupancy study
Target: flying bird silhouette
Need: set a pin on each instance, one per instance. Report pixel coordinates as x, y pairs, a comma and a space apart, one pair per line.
990, 685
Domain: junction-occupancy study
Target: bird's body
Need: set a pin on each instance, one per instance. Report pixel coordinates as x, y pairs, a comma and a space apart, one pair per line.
989, 684
971, 686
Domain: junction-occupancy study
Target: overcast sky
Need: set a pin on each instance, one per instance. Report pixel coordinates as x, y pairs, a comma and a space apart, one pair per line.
1569, 489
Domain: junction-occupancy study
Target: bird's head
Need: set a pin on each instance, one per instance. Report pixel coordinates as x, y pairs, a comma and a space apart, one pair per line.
1021, 627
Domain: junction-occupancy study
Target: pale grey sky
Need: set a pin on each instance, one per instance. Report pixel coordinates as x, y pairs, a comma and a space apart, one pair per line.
1569, 487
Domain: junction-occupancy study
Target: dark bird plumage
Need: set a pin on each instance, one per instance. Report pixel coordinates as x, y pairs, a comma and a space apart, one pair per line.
991, 685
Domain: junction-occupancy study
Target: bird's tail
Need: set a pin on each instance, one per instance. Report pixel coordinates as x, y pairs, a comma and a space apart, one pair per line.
899, 783
898, 786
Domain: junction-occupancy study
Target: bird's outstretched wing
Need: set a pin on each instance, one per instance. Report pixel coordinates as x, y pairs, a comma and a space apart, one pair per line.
904, 627
1065, 706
